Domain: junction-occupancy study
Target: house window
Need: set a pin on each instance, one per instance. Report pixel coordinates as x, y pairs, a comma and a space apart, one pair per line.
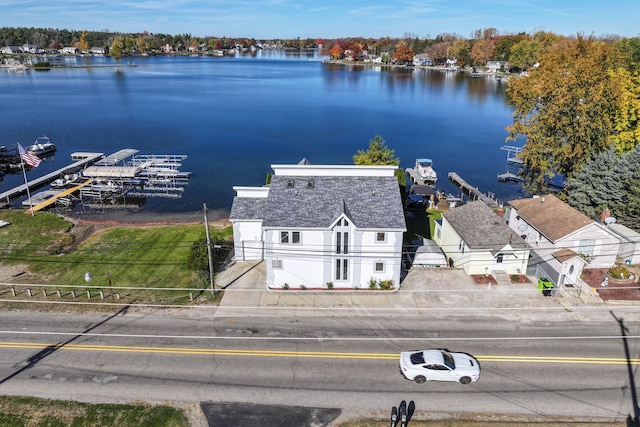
342, 269
310, 183
276, 263
291, 183
342, 242
438, 233
587, 247
290, 237
379, 267
499, 258
381, 237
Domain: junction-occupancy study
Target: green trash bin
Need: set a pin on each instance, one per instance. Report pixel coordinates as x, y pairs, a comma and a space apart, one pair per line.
544, 286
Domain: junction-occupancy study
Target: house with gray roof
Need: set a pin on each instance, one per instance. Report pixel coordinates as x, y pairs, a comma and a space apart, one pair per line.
563, 240
477, 240
315, 225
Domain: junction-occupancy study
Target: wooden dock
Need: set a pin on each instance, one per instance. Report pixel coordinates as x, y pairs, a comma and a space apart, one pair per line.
473, 192
35, 183
53, 199
509, 177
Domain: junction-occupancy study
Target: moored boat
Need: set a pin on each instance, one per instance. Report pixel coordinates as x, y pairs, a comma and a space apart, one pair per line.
424, 169
42, 146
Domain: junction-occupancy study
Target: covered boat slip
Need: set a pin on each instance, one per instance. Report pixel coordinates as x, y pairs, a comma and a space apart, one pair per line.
126, 172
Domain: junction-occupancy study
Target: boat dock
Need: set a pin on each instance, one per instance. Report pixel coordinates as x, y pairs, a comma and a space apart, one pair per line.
51, 200
417, 179
509, 177
86, 158
473, 192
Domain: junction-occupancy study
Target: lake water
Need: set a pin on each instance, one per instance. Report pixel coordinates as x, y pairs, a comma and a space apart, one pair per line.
234, 117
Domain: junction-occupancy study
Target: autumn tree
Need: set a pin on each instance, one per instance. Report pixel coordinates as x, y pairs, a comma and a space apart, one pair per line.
83, 45
565, 109
403, 55
438, 52
337, 51
461, 50
117, 48
482, 51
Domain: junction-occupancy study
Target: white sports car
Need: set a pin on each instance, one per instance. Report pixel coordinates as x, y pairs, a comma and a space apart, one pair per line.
439, 364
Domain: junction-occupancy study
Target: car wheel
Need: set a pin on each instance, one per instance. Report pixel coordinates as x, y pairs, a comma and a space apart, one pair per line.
465, 380
419, 379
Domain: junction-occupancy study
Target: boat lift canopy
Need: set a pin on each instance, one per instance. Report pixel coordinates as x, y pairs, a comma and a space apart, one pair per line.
111, 171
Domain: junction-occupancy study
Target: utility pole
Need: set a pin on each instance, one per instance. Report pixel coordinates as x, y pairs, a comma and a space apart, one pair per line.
209, 253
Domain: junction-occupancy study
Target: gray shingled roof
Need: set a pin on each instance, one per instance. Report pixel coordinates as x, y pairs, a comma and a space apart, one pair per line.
317, 201
247, 207
481, 228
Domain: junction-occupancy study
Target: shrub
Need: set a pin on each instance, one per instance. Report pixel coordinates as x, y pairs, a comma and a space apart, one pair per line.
385, 285
285, 286
619, 272
303, 287
373, 283
329, 285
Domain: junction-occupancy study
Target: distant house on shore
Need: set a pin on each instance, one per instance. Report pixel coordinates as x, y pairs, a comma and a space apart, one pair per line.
497, 66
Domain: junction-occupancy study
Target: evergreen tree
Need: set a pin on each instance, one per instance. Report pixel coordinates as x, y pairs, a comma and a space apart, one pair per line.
597, 185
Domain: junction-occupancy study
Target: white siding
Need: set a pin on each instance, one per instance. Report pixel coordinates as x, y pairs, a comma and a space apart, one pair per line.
247, 240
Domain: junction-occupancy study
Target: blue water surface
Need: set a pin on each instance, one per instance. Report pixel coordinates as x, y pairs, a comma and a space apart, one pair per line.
234, 117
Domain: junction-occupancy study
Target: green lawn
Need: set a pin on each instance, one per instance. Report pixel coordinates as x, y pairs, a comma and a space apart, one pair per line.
31, 411
127, 256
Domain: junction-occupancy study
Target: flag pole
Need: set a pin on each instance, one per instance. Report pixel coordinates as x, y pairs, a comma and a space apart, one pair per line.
26, 183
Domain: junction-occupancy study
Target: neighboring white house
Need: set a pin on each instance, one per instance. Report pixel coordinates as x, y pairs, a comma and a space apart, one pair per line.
98, 51
476, 239
629, 251
495, 66
69, 50
319, 224
11, 49
422, 59
31, 48
563, 240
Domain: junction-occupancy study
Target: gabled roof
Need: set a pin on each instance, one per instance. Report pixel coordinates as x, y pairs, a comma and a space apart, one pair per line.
565, 254
550, 216
481, 228
316, 201
315, 196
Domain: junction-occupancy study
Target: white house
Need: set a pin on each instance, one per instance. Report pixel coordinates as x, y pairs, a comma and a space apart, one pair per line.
320, 224
563, 240
495, 66
629, 251
476, 239
422, 59
68, 50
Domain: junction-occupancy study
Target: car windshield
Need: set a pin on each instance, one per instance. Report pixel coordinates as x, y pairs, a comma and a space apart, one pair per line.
448, 360
417, 358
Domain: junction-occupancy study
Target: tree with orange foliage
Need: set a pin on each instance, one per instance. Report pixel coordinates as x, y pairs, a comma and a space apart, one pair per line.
337, 52
403, 55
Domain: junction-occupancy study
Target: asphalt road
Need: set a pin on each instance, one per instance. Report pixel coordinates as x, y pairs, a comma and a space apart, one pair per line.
349, 364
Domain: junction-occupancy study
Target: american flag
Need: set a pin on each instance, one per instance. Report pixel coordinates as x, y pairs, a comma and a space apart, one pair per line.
28, 157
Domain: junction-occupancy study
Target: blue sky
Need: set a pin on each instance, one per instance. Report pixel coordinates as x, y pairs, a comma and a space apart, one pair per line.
327, 18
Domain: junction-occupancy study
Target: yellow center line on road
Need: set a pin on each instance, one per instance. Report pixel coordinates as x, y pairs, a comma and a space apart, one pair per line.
304, 354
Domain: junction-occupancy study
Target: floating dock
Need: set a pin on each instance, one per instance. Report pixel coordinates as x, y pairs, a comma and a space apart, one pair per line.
509, 177
87, 158
473, 192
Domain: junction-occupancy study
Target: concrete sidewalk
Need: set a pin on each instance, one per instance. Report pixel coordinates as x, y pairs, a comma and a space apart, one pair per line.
424, 292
